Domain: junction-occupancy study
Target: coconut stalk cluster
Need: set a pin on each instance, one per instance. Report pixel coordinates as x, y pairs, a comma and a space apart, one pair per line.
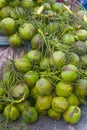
51, 78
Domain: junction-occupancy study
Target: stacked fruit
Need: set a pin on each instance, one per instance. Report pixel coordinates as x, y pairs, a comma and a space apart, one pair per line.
51, 78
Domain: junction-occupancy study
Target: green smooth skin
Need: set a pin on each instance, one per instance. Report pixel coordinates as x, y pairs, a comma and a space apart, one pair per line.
15, 40
69, 73
63, 89
60, 104
43, 102
44, 64
59, 58
54, 115
73, 100
72, 115
31, 78
68, 38
30, 115
44, 86
26, 31
7, 25
34, 93
37, 41
82, 34
23, 64
5, 12
23, 105
81, 88
2, 3
34, 55
27, 3
11, 112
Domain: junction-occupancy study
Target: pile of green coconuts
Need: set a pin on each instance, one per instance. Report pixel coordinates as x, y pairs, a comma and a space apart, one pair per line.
50, 78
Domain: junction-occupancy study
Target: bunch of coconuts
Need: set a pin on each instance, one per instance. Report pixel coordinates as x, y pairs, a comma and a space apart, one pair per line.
53, 84
57, 93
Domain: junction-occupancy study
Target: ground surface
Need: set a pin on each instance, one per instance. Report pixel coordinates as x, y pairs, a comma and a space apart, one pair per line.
45, 123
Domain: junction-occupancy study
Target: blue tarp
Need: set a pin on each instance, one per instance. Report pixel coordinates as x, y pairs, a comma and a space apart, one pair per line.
4, 40
84, 3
